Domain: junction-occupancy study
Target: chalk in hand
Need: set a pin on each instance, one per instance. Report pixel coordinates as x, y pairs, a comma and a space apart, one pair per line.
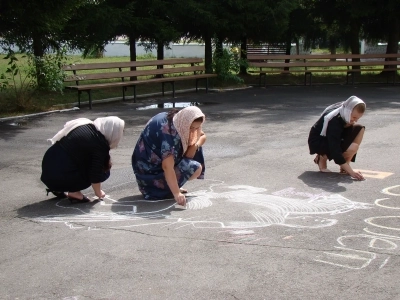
180, 206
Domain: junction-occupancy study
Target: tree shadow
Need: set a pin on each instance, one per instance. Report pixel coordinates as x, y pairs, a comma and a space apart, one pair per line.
326, 181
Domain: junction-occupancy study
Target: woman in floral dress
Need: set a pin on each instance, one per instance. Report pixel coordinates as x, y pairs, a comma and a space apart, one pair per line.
168, 153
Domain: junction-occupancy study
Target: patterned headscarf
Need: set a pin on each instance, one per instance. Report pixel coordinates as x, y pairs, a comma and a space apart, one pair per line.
111, 127
182, 122
344, 108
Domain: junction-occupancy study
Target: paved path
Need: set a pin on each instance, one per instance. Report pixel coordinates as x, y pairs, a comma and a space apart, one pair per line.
264, 224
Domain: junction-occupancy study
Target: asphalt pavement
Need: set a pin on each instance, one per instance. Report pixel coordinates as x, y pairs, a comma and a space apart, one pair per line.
263, 224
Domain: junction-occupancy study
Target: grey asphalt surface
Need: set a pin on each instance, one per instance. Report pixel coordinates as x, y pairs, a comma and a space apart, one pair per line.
264, 224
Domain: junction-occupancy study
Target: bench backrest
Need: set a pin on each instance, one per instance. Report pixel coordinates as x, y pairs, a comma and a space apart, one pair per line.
260, 57
266, 49
324, 60
141, 68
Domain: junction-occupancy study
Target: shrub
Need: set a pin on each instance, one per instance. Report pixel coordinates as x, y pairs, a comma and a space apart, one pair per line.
227, 66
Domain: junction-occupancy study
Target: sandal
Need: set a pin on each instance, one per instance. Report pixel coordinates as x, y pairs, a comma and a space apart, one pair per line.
316, 160
183, 191
59, 195
83, 200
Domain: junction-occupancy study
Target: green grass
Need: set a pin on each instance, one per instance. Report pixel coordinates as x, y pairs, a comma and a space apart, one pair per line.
43, 101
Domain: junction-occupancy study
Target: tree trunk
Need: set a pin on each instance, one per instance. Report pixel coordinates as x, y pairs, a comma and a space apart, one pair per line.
160, 56
355, 40
243, 55
132, 53
288, 49
332, 47
297, 45
38, 52
393, 40
208, 53
218, 47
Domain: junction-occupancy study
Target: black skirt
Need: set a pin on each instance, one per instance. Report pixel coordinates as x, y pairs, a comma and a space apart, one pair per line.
348, 136
60, 172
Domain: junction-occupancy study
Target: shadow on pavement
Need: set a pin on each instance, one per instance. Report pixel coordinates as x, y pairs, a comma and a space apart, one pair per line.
326, 181
98, 213
144, 208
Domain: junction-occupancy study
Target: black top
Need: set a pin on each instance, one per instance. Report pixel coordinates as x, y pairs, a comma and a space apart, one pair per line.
89, 149
331, 143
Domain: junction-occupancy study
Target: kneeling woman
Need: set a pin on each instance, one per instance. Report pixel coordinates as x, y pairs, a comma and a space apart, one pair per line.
337, 136
80, 157
169, 153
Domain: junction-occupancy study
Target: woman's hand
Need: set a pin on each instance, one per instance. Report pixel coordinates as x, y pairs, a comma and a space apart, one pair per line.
191, 151
180, 199
357, 175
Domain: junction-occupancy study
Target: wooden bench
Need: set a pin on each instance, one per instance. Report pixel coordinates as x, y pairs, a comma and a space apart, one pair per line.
266, 49
350, 64
145, 72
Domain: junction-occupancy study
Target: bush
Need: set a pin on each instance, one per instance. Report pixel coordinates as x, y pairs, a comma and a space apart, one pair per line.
17, 82
49, 69
24, 77
227, 66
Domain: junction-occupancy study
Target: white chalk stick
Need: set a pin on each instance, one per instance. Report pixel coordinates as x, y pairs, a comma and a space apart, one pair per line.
180, 206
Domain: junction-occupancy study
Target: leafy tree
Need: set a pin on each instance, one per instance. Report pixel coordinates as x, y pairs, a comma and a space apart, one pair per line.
35, 26
384, 24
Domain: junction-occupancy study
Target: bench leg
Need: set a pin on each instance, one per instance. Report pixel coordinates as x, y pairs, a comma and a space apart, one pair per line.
123, 93
79, 99
260, 79
206, 85
134, 94
162, 88
90, 99
173, 89
305, 78
394, 76
197, 82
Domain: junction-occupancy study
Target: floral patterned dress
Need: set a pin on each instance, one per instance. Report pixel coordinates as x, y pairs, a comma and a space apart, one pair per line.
157, 141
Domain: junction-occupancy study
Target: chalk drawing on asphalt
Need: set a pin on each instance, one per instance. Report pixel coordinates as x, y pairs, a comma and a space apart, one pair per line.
236, 207
374, 174
374, 247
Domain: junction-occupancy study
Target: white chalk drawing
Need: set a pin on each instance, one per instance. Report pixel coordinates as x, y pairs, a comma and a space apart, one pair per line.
249, 207
347, 258
376, 244
388, 189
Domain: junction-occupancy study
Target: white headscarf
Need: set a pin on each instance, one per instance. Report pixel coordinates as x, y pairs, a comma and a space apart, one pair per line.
111, 127
182, 121
343, 108
68, 127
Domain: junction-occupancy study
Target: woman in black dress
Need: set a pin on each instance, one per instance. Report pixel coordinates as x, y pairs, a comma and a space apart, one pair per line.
80, 157
337, 136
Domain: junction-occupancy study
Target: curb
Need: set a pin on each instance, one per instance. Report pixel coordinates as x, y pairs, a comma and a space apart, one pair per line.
38, 114
116, 99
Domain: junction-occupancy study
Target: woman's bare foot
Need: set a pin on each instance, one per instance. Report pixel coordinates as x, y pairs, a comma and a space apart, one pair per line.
323, 164
75, 195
